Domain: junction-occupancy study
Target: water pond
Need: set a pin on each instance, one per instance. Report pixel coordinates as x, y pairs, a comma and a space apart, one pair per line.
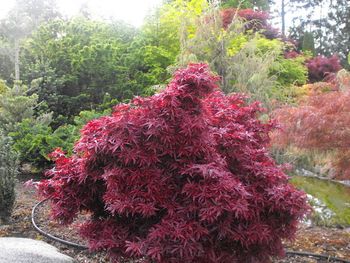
330, 200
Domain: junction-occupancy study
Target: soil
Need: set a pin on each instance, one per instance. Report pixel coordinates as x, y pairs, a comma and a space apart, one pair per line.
331, 241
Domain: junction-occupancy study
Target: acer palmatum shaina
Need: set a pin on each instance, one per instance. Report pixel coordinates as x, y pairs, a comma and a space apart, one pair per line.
182, 176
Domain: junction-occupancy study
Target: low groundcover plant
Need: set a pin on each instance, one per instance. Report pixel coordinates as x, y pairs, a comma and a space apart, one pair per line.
181, 176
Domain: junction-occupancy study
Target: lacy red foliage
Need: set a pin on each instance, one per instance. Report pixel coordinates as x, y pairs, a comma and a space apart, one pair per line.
182, 176
322, 68
322, 122
256, 21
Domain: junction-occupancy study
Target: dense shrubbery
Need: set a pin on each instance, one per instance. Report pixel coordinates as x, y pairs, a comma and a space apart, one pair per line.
8, 168
180, 176
31, 142
290, 71
76, 63
34, 139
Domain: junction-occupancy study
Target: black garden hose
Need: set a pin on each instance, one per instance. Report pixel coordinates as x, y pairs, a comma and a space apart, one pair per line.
318, 256
65, 242
82, 247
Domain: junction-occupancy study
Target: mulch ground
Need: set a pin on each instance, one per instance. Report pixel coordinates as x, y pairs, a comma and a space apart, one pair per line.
330, 241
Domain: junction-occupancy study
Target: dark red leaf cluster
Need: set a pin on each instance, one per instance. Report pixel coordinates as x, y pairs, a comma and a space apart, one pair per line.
256, 20
322, 68
271, 32
182, 176
291, 54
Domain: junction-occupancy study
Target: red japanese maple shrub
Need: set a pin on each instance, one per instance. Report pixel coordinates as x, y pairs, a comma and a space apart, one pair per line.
322, 68
182, 176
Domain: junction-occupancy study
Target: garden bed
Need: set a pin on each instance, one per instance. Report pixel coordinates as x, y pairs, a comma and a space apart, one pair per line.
331, 241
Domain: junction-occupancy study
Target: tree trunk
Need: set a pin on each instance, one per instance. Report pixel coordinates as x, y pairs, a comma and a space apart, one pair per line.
17, 49
283, 16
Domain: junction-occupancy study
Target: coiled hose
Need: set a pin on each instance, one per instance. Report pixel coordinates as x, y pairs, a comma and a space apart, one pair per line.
82, 247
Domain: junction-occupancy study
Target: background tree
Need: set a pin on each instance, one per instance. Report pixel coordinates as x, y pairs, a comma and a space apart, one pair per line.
80, 62
76, 63
329, 21
25, 17
13, 30
308, 43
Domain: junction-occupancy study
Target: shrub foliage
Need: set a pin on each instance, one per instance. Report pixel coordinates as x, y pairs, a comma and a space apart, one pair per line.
183, 175
7, 178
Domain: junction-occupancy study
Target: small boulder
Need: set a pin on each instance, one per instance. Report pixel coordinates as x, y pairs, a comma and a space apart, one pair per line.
23, 250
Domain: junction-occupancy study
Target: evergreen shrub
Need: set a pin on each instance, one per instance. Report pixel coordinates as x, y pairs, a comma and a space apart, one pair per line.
7, 178
34, 139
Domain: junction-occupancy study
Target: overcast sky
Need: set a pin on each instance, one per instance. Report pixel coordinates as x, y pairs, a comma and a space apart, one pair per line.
132, 11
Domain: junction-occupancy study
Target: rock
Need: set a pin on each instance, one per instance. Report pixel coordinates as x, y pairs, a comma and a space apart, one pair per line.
23, 250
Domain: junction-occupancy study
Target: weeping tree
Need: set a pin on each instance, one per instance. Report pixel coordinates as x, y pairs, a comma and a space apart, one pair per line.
243, 60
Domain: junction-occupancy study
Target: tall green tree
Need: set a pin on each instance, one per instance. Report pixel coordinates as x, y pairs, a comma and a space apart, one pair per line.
329, 21
308, 43
78, 63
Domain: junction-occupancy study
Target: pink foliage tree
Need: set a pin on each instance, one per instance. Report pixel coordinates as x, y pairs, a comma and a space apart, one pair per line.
321, 122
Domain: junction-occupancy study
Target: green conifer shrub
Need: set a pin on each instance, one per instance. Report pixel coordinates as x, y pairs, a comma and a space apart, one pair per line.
7, 178
309, 43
